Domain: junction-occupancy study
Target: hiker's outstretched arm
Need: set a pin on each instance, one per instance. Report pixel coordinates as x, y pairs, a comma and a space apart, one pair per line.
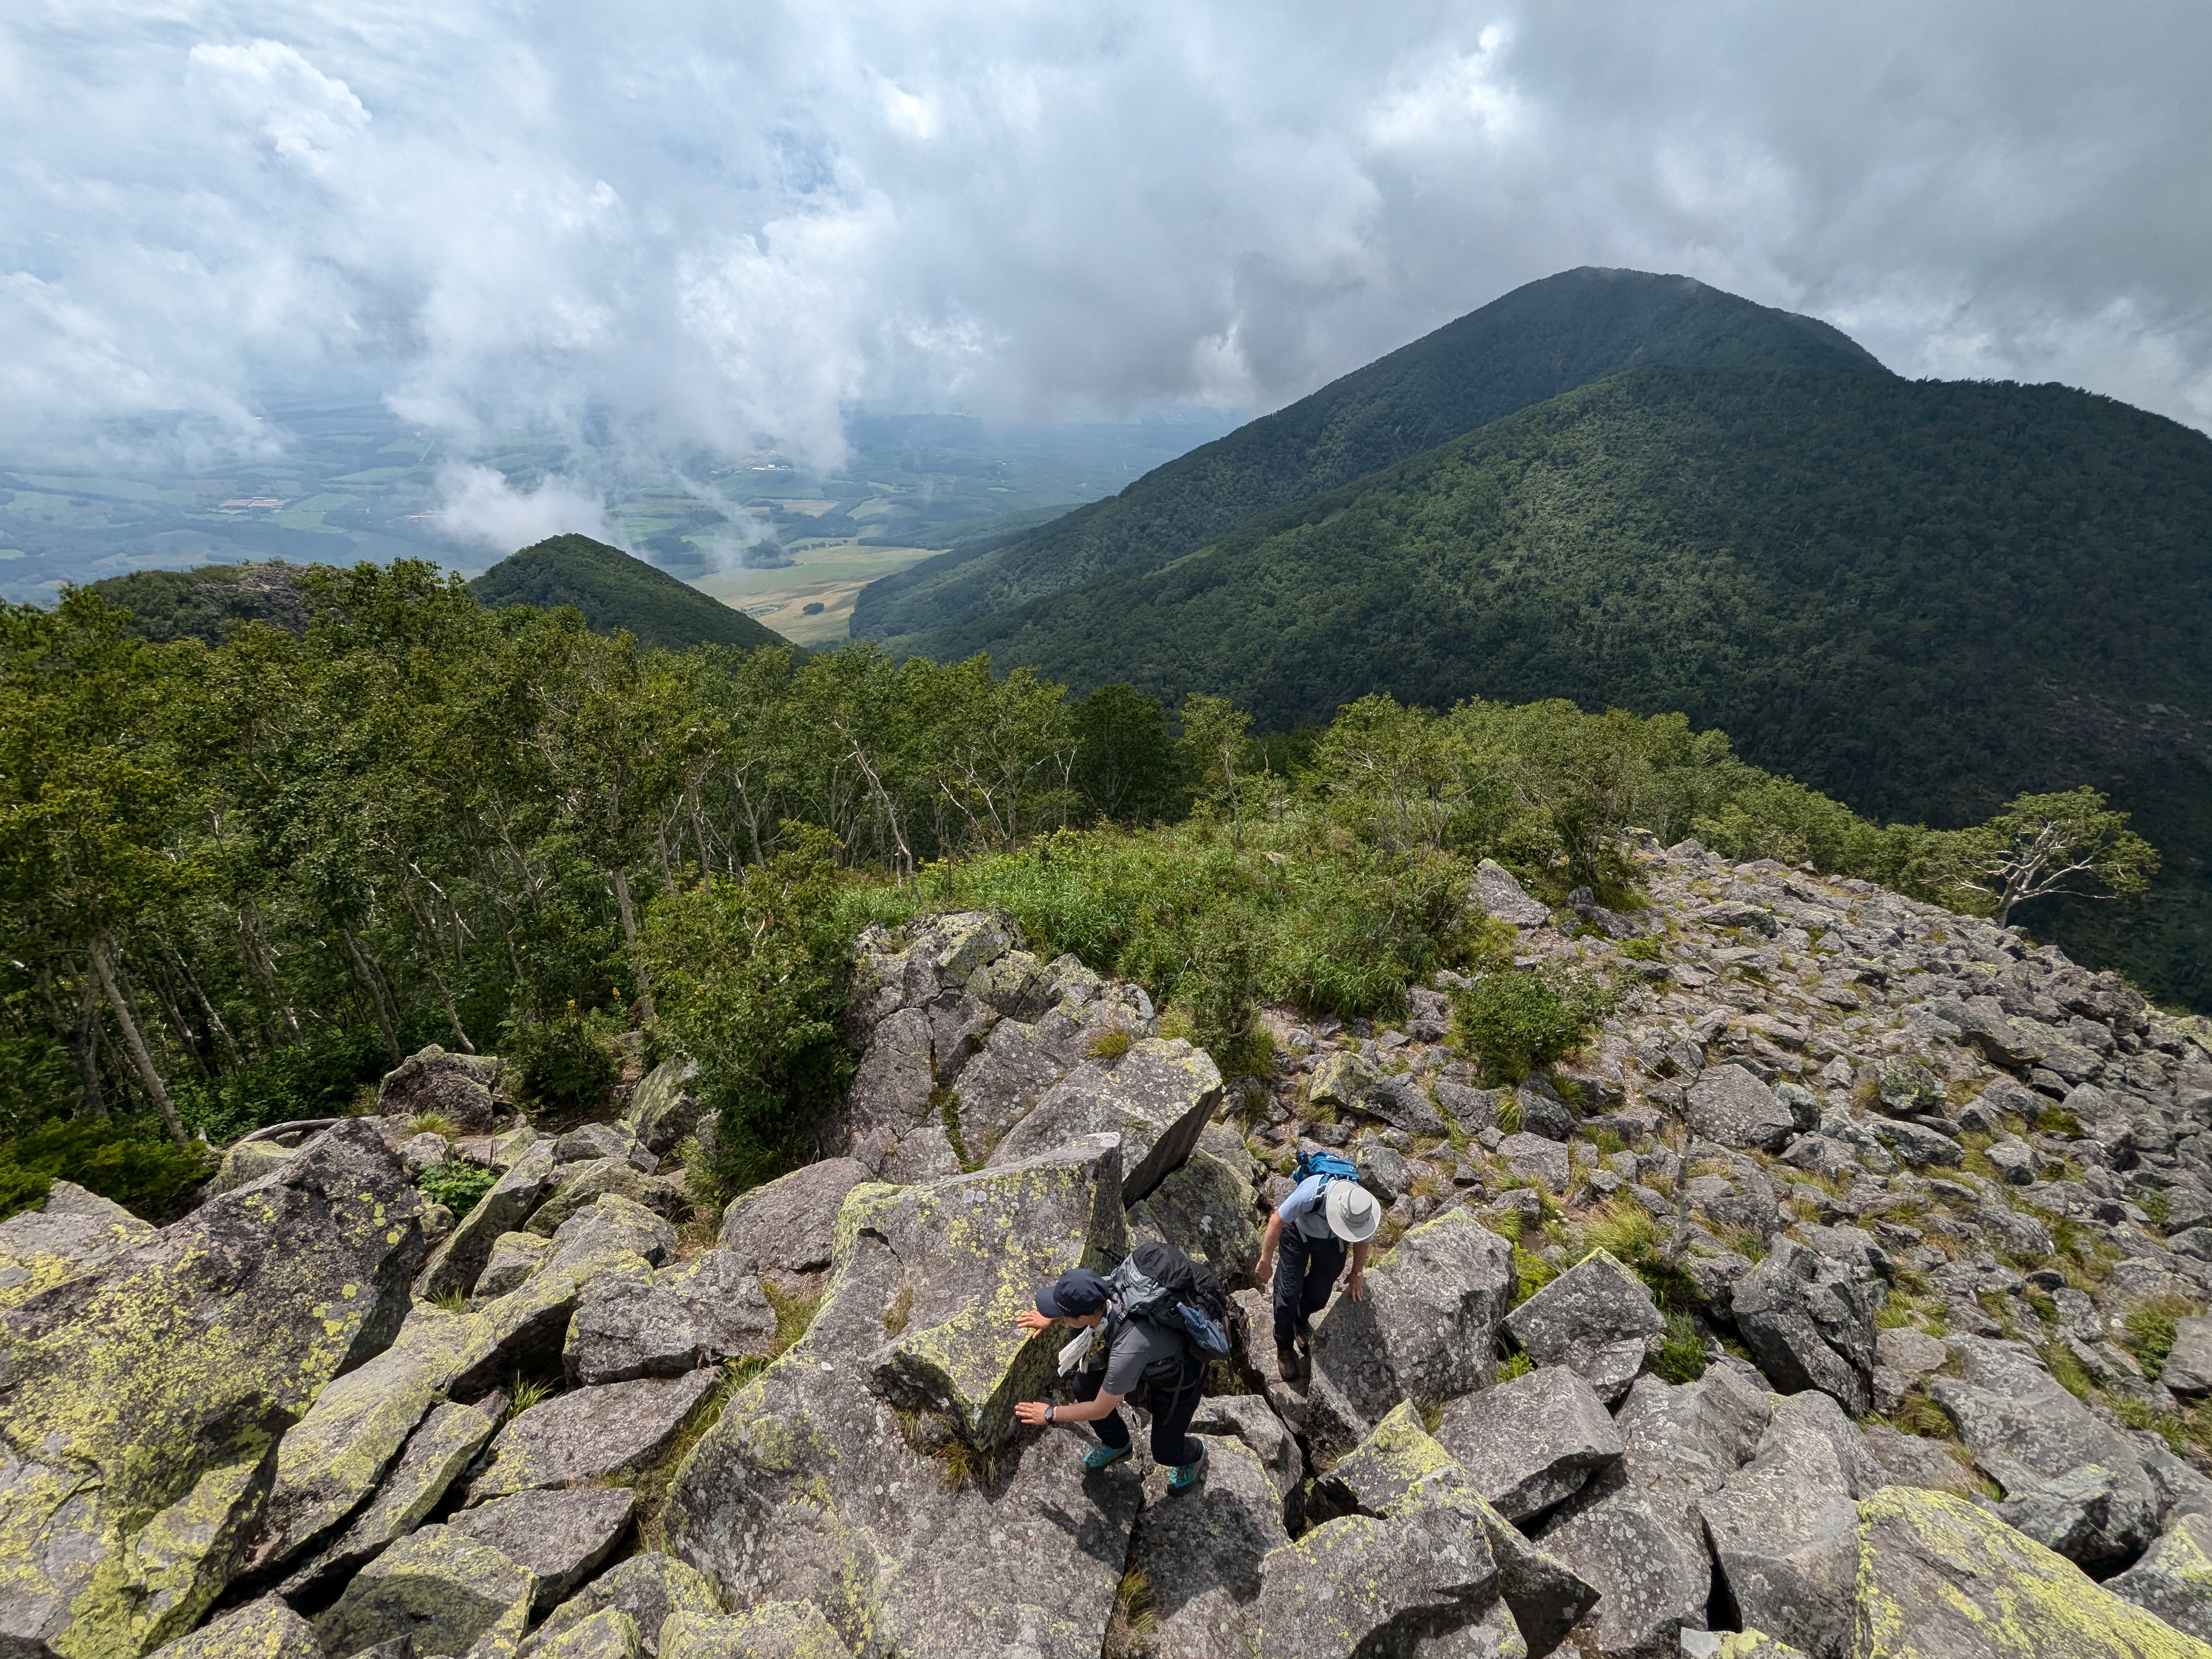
1084, 1411
1266, 1268
1356, 1286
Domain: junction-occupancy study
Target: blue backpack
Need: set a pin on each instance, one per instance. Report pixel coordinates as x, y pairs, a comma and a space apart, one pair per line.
1329, 1166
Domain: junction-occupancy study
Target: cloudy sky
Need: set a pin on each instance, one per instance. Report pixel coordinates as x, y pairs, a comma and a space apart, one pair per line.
727, 222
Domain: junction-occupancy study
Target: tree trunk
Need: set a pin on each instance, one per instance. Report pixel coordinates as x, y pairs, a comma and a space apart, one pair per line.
81, 1036
364, 969
629, 938
103, 964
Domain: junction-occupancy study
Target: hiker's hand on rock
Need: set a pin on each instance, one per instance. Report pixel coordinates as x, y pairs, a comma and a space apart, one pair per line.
1030, 1411
1031, 1320
1264, 1270
1356, 1287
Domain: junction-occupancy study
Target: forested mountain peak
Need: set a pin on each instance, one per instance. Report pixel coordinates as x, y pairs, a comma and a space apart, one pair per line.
1544, 339
617, 591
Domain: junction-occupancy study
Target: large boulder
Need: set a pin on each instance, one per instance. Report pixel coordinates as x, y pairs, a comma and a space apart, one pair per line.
2174, 1577
561, 1537
648, 1589
445, 1444
1531, 1442
1784, 1533
1727, 1104
2072, 1477
1427, 1331
1594, 1320
707, 1310
788, 1227
587, 1434
584, 1184
875, 1470
1399, 1467
73, 1233
465, 1089
456, 1262
664, 1107
1200, 1556
1938, 1576
1809, 1324
769, 1630
1207, 1210
1156, 1096
1501, 898
436, 1588
266, 1628
1360, 1585
145, 1398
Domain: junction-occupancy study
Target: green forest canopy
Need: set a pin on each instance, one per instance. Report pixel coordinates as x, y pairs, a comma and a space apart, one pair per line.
615, 591
1543, 339
239, 882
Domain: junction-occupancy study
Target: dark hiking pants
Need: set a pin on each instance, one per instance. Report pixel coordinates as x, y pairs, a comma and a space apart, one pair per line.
1174, 1400
1305, 1273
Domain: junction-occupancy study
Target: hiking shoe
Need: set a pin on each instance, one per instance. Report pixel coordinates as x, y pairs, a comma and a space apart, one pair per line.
1104, 1457
1305, 1334
1286, 1363
1184, 1479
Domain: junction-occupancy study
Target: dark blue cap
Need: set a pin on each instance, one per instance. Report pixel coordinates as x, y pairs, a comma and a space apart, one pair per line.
1076, 1293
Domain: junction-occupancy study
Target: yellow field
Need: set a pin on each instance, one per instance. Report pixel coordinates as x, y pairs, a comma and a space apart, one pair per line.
830, 574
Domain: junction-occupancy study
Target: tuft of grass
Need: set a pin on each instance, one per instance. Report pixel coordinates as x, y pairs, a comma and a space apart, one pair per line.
1682, 1357
526, 1392
947, 1104
453, 1300
1747, 1241
2158, 1206
1530, 1274
1516, 1364
432, 1123
792, 1316
1175, 1023
1643, 950
2150, 1330
1111, 1043
2068, 1372
1134, 1621
901, 1310
1918, 1414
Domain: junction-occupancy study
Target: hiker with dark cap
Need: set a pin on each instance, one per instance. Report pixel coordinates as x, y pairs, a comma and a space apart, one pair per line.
1121, 1352
1305, 1246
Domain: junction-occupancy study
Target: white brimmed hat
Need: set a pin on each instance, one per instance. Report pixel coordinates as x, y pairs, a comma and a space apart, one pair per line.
1352, 1211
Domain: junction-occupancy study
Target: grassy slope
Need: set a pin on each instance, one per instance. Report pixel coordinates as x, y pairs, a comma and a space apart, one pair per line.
615, 591
1535, 343
1918, 597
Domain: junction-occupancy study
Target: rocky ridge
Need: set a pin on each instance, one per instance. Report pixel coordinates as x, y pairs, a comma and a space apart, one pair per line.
1842, 1296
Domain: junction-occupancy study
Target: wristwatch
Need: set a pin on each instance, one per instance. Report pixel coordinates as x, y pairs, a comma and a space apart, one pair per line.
1047, 1412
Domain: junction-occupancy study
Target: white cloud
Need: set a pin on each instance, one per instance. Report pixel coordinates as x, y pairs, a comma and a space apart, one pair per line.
692, 223
479, 507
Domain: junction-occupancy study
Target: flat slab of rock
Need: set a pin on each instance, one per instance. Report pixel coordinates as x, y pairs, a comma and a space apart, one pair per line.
1160, 1085
647, 1588
610, 1633
1534, 1157
664, 1107
789, 1226
73, 1232
1937, 1574
267, 1629
1908, 1460
1531, 1442
561, 1537
710, 1309
1427, 1331
1202, 1554
1594, 1319
1341, 1590
144, 1394
2189, 1367
1247, 1417
1206, 1210
435, 1587
588, 1433
1784, 1533
1727, 1104
584, 1184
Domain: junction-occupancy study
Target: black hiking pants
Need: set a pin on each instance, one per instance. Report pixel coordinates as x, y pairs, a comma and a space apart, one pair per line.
1174, 1399
1305, 1273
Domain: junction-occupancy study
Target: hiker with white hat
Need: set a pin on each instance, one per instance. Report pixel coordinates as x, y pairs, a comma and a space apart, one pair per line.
1304, 1248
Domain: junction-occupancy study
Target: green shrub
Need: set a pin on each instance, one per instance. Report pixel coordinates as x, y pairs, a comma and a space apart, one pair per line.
1643, 950
320, 1079
129, 1164
456, 1185
1510, 1021
568, 1065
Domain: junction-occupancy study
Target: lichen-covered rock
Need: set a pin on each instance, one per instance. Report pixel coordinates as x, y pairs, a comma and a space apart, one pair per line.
434, 1455
708, 1311
332, 1458
1201, 1556
1727, 1104
1206, 1210
664, 1107
514, 1257
611, 1226
1594, 1319
588, 1433
1427, 1331
1907, 1460
71, 1234
788, 1227
583, 1184
266, 1628
1501, 898
874, 1470
1399, 1467
443, 1591
1809, 1325
610, 1633
1784, 1533
250, 1160
1161, 1091
2174, 1577
1531, 1442
589, 1141
1343, 1080
1938, 1576
145, 1398
2076, 1478
1736, 1645
1360, 1585
561, 1537
456, 1263
465, 1089
647, 1588
772, 1629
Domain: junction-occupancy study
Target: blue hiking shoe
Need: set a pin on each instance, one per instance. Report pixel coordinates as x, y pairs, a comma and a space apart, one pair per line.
1104, 1457
1187, 1478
